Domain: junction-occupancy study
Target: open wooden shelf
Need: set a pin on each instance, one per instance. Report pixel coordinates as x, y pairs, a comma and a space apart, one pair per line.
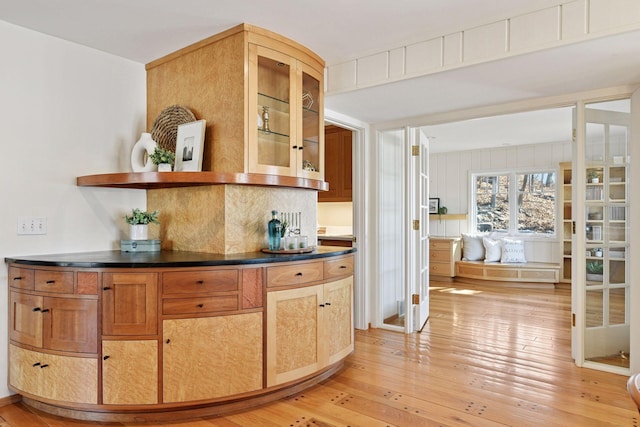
154, 180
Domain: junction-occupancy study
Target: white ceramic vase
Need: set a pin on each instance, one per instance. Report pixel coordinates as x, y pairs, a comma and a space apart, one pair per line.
139, 231
140, 161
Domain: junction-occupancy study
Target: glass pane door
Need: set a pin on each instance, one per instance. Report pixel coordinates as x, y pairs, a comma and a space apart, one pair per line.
607, 286
273, 117
311, 146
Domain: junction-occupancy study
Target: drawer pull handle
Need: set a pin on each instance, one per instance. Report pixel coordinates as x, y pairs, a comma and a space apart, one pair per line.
168, 341
327, 303
200, 282
200, 305
50, 282
36, 364
343, 266
36, 309
321, 305
17, 278
294, 147
105, 357
46, 310
300, 148
298, 274
106, 288
43, 366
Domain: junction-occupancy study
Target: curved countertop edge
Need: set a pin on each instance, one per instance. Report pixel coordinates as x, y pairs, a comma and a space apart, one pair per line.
119, 259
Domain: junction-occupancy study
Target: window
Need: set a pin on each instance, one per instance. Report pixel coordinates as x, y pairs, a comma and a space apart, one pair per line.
515, 202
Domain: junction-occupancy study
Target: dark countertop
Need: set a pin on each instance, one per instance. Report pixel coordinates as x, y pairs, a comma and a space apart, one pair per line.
118, 259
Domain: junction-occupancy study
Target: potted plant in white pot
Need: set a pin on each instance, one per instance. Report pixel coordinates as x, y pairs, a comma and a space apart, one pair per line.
163, 158
139, 223
595, 270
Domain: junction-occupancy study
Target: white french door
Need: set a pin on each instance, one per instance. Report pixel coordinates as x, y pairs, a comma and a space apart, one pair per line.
418, 236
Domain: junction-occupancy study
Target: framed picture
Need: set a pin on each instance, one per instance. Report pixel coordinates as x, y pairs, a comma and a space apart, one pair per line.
189, 146
434, 205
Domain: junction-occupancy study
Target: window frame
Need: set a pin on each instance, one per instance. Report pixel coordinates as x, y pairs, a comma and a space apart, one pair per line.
513, 197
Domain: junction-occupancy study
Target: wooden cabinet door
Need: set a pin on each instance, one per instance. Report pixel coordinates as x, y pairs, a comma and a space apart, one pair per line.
70, 324
209, 357
25, 318
338, 165
129, 304
130, 372
338, 319
294, 319
50, 376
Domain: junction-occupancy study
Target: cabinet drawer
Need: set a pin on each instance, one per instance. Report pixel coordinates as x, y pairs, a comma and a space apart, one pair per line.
203, 281
296, 274
200, 305
440, 245
340, 267
443, 256
440, 269
54, 281
22, 278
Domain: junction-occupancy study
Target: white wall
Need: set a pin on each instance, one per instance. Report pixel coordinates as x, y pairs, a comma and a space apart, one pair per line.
449, 180
66, 111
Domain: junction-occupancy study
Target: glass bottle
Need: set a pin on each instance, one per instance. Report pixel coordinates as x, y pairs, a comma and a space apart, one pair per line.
275, 228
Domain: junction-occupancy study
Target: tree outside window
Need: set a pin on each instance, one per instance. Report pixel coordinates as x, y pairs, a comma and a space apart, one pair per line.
515, 202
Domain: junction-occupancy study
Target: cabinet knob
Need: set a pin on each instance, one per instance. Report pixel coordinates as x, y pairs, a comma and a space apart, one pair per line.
327, 303
168, 341
106, 288
298, 274
50, 282
43, 366
300, 147
105, 357
294, 147
200, 305
200, 282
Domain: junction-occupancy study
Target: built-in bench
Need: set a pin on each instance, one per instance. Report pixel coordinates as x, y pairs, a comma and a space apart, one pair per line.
531, 272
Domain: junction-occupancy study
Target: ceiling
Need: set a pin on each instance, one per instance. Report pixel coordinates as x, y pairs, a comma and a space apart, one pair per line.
338, 30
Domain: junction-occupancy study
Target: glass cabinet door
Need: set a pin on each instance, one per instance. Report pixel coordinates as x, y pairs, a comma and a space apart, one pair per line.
607, 285
272, 124
311, 142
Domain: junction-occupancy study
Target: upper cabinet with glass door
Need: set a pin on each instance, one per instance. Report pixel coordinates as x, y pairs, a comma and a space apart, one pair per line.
286, 129
261, 94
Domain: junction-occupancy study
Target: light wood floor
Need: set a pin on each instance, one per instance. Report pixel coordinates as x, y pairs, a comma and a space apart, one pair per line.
487, 357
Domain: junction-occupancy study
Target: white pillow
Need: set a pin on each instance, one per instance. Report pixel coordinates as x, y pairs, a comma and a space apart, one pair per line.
512, 250
472, 247
492, 249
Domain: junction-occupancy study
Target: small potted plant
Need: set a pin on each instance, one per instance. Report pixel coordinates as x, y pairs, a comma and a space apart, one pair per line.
593, 176
163, 158
595, 270
139, 223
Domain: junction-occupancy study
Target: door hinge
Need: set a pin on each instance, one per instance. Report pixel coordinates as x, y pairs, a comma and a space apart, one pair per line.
573, 227
415, 299
415, 150
573, 319
574, 134
416, 224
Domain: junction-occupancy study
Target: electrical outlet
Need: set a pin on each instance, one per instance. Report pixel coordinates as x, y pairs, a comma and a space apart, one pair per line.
30, 225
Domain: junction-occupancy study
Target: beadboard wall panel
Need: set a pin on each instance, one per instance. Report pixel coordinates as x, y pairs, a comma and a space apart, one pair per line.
535, 29
570, 22
487, 41
574, 20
